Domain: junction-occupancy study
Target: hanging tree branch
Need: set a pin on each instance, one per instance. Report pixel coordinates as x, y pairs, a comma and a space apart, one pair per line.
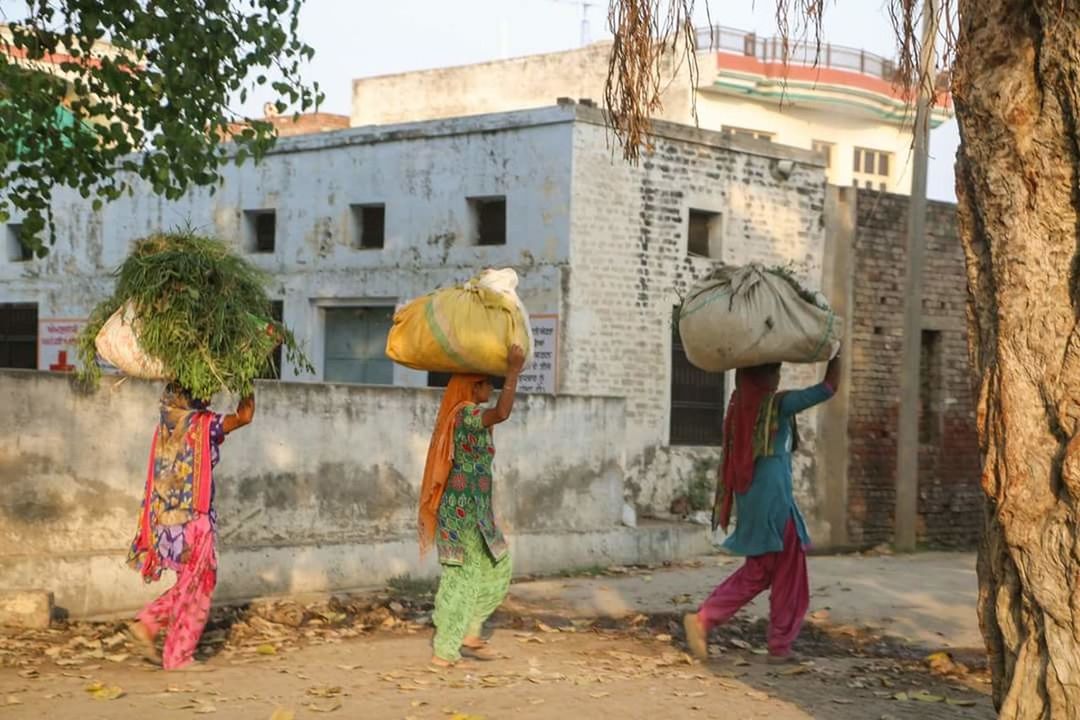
652, 38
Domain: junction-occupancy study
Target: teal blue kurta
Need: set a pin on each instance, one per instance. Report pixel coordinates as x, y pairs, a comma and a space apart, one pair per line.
763, 512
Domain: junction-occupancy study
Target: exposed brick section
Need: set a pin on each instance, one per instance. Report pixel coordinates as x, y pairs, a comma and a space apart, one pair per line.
308, 123
949, 493
305, 124
629, 267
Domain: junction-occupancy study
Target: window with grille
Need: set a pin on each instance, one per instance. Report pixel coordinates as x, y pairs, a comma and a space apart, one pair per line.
870, 169
697, 400
355, 345
18, 335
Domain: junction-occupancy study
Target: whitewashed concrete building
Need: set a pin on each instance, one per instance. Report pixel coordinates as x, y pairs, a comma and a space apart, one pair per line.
844, 103
351, 224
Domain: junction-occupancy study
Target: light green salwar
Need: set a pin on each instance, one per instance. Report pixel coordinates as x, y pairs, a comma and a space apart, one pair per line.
468, 594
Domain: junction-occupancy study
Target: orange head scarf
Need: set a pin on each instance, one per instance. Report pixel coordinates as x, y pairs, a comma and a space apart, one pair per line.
440, 456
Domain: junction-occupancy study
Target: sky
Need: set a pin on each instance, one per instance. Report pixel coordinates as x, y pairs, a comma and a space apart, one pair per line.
361, 38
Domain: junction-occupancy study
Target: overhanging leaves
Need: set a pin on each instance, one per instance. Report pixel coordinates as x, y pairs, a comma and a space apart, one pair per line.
77, 111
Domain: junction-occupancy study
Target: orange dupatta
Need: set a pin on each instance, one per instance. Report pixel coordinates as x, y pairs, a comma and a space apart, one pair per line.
440, 456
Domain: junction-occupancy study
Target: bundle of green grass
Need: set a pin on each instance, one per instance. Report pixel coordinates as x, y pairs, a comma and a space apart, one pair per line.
201, 313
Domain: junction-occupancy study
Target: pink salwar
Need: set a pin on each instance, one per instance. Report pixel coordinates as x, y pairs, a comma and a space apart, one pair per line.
183, 610
789, 599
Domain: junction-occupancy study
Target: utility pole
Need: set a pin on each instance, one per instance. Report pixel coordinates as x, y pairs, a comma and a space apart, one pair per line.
907, 445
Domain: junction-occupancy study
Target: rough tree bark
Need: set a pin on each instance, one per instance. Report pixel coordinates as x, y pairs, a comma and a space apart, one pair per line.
1017, 97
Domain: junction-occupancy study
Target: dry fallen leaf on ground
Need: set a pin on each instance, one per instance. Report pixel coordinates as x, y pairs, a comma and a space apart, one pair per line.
283, 714
99, 691
324, 692
324, 708
797, 670
927, 697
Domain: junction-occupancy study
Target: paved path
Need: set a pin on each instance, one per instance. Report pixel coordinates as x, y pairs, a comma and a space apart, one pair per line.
928, 599
627, 670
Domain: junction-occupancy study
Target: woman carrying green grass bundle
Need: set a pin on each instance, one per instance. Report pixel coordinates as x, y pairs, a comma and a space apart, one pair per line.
189, 311
178, 526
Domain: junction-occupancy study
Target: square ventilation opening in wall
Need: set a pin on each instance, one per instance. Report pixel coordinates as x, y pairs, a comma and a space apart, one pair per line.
704, 233
369, 226
260, 231
16, 250
487, 220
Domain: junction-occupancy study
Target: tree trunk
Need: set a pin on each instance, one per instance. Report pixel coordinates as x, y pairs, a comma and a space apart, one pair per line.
1017, 97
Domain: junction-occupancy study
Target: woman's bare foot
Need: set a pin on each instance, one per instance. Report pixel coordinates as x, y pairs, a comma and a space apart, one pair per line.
788, 659
479, 652
696, 636
477, 648
144, 640
438, 662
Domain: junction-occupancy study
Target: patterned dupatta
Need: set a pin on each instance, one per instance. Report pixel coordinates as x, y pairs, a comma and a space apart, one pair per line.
750, 428
179, 480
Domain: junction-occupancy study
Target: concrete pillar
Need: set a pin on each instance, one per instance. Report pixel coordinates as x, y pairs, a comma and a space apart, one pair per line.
838, 287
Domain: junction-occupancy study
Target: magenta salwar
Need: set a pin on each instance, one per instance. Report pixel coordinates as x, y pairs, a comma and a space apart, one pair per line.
183, 610
784, 574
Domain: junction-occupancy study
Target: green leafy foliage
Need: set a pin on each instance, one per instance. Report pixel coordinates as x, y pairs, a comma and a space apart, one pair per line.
202, 310
153, 109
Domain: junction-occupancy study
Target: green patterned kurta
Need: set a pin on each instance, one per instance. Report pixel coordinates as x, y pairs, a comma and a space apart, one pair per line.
467, 500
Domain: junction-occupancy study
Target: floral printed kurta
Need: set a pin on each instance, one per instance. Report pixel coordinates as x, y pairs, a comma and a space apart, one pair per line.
467, 500
171, 539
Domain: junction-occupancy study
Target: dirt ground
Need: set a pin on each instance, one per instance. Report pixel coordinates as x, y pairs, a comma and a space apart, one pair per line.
366, 656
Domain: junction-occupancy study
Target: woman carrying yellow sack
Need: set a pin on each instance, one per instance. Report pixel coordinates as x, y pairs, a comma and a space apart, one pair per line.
456, 513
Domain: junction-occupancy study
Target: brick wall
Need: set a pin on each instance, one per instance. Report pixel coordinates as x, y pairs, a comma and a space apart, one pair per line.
630, 267
949, 493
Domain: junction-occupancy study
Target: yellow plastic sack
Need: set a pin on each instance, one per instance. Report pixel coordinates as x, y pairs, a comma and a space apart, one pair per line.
118, 344
463, 329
